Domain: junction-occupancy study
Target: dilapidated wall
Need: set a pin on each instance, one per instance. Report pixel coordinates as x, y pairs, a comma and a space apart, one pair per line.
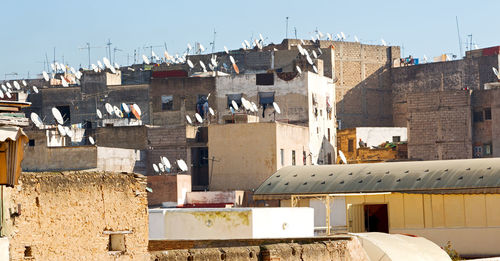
70, 216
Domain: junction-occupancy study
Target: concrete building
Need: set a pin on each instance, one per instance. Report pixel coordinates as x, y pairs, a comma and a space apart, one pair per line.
447, 200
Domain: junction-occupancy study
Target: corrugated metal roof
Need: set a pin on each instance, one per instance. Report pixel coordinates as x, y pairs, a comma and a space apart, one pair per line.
416, 176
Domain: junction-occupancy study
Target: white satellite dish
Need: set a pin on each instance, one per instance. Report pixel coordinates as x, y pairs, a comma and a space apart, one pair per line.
8, 85
112, 69
125, 108
4, 88
255, 108
68, 131
189, 119
342, 157
309, 60
155, 167
298, 69
315, 69
201, 48
232, 59
25, 83
314, 54
495, 71
36, 119
99, 64
8, 94
235, 105
198, 118
118, 112
182, 165
162, 168
246, 104
356, 39
302, 42
61, 130
383, 42
145, 59
226, 50
72, 70
189, 47
35, 89
117, 66
53, 67
109, 108
137, 109
166, 162
190, 64
329, 36
1, 94
91, 140
57, 115
276, 107
203, 66
99, 113
64, 82
94, 67
211, 111
342, 35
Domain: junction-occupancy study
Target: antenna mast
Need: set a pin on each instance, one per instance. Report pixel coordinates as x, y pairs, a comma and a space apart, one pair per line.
459, 38
213, 42
286, 34
109, 48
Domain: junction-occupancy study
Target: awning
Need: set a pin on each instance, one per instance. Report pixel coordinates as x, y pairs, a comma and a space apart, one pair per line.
10, 133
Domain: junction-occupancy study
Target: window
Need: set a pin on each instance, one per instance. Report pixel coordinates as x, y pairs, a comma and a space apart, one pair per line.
116, 242
304, 157
478, 152
31, 143
266, 98
350, 145
28, 252
396, 138
264, 79
282, 157
478, 116
234, 97
167, 102
328, 134
487, 149
487, 114
293, 158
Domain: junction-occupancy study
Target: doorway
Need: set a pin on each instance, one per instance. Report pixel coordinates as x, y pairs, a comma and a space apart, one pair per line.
376, 218
199, 170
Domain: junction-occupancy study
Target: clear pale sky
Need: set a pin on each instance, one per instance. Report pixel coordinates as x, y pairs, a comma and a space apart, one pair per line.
29, 29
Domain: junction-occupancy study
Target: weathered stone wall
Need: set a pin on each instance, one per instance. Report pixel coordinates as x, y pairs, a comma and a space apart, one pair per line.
168, 188
65, 216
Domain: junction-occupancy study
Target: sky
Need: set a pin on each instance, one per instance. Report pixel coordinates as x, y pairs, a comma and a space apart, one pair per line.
31, 29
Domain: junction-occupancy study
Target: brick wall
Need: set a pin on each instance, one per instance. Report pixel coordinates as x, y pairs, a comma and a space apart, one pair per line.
439, 125
65, 215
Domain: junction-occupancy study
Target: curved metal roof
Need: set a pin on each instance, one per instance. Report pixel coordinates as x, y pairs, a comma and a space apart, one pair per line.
416, 176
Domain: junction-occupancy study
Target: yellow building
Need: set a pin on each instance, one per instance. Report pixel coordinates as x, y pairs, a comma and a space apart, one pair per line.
450, 200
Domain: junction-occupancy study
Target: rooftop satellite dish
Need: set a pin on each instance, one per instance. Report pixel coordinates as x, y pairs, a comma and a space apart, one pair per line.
342, 35
99, 64
201, 48
383, 42
78, 75
16, 84
425, 58
64, 82
91, 140
145, 59
309, 60
329, 36
57, 115
301, 50
4, 88
211, 111
8, 94
25, 83
298, 69
109, 108
1, 94
236, 69
314, 54
190, 64
53, 67
35, 89
235, 105
276, 107
203, 66
247, 43
94, 67
36, 119
125, 107
182, 165
166, 162
117, 66
137, 109
72, 70
315, 69
61, 130
99, 113
232, 59
495, 71
198, 118
8, 85
162, 168
155, 167
356, 39
68, 131
245, 104
189, 119
342, 157
302, 41
189, 47
255, 108
117, 111
112, 69
320, 34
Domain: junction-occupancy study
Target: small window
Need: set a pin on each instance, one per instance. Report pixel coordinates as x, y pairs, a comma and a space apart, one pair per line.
266, 98
116, 242
328, 134
478, 151
304, 157
31, 143
396, 138
487, 149
478, 116
350, 145
487, 114
167, 102
28, 252
293, 158
264, 79
234, 97
282, 152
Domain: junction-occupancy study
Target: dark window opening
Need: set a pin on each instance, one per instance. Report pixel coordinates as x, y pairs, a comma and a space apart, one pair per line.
266, 98
396, 138
293, 158
233, 97
264, 79
328, 134
487, 114
304, 157
167, 102
350, 145
376, 218
65, 112
31, 143
199, 168
478, 116
27, 251
116, 242
329, 158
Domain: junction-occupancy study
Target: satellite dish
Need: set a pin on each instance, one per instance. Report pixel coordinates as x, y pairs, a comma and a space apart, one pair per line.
211, 111
166, 162
198, 118
112, 69
99, 64
255, 108
235, 105
236, 69
309, 60
276, 107
68, 131
201, 48
383, 42
45, 76
24, 83
78, 75
495, 71
8, 85
329, 36
301, 50
342, 35
190, 64
315, 69
226, 50
35, 89
203, 66
189, 47
1, 94
109, 108
182, 165
117, 111
356, 39
189, 119
302, 41
298, 69
137, 109
155, 167
314, 54
36, 119
232, 59
245, 104
57, 115
117, 66
99, 113
8, 94
342, 157
61, 130
162, 168
145, 59
91, 140
64, 82
72, 70
125, 108
4, 88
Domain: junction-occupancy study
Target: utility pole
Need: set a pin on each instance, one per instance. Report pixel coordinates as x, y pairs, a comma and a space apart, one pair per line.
88, 47
109, 48
459, 38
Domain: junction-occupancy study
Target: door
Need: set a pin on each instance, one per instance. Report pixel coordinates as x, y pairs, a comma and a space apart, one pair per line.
356, 218
376, 218
199, 169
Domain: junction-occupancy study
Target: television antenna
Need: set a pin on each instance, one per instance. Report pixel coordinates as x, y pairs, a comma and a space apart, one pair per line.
151, 50
88, 47
213, 42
